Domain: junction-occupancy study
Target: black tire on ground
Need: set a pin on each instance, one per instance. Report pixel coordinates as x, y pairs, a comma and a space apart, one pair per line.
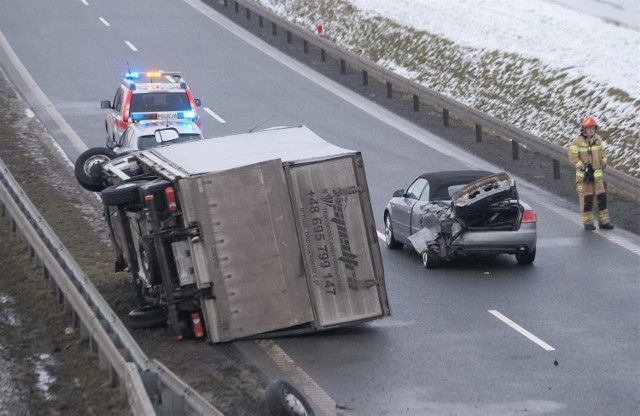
285, 400
87, 166
148, 317
431, 260
526, 257
388, 234
124, 193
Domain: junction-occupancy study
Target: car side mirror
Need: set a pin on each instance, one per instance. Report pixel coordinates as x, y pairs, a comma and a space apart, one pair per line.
198, 102
105, 104
399, 193
112, 144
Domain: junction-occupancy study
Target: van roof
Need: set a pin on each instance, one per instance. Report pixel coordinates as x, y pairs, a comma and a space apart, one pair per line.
290, 144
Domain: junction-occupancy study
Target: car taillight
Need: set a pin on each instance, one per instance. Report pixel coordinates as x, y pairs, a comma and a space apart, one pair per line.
125, 109
171, 199
529, 216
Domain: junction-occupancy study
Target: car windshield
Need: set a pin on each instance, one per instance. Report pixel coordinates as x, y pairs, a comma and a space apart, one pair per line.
145, 142
160, 101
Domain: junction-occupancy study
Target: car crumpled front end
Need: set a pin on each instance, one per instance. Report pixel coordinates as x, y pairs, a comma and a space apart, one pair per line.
484, 217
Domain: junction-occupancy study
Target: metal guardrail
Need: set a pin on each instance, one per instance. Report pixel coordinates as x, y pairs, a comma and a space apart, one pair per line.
517, 136
128, 366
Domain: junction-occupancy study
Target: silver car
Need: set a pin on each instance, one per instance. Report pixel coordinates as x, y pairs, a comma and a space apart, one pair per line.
446, 215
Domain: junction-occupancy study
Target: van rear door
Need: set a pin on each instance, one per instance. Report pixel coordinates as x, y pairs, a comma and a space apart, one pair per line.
339, 243
248, 250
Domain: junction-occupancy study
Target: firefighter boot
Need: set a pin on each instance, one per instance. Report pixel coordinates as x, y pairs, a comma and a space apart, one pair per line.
607, 226
590, 227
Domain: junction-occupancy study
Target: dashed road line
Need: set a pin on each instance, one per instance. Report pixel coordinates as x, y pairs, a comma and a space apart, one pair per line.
130, 45
85, 2
214, 115
104, 21
521, 330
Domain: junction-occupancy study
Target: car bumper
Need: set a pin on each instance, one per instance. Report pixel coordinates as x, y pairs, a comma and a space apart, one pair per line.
496, 242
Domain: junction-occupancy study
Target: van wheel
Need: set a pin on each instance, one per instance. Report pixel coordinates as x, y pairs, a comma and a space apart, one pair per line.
431, 260
388, 234
124, 193
285, 400
526, 257
148, 317
87, 167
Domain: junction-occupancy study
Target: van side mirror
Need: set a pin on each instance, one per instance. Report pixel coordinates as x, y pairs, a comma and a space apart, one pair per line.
112, 144
105, 104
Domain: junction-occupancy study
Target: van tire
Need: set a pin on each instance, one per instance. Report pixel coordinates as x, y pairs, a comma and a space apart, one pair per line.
122, 194
285, 400
148, 317
87, 167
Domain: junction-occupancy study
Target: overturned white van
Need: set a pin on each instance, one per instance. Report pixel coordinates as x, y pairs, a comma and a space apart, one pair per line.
266, 232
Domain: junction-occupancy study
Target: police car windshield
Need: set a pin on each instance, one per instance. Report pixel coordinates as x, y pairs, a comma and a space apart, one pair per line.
145, 142
160, 101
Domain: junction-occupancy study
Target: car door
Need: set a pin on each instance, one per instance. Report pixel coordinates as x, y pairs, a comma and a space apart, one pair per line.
415, 223
403, 208
114, 115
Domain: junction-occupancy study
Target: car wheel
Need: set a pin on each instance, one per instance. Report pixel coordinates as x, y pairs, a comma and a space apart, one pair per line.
87, 167
285, 400
124, 193
388, 234
526, 257
431, 260
148, 317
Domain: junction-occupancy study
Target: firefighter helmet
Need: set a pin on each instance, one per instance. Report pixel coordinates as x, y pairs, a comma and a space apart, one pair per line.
589, 122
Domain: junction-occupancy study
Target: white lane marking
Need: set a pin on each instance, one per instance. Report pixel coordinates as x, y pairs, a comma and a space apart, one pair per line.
130, 45
40, 95
104, 21
523, 331
214, 115
300, 378
170, 78
85, 2
382, 236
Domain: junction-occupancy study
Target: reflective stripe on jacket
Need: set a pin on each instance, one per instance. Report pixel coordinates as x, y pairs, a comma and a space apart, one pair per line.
583, 151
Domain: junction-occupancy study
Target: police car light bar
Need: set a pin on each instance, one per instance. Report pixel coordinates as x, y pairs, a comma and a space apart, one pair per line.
134, 76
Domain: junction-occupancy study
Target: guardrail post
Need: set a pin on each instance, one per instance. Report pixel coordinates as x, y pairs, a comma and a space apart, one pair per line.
237, 7
556, 169
288, 36
248, 14
323, 55
274, 29
226, 3
478, 133
365, 78
260, 21
389, 90
343, 66
515, 150
305, 46
445, 117
416, 103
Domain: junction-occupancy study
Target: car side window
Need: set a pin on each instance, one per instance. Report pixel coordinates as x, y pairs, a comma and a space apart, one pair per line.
425, 193
415, 189
117, 101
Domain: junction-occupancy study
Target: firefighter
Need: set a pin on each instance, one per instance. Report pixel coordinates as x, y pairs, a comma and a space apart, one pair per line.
586, 153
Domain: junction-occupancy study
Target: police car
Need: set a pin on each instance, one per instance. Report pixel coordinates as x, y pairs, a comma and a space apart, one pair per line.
155, 98
145, 134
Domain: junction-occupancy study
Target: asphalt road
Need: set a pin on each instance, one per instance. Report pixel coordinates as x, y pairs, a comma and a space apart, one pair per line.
452, 345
